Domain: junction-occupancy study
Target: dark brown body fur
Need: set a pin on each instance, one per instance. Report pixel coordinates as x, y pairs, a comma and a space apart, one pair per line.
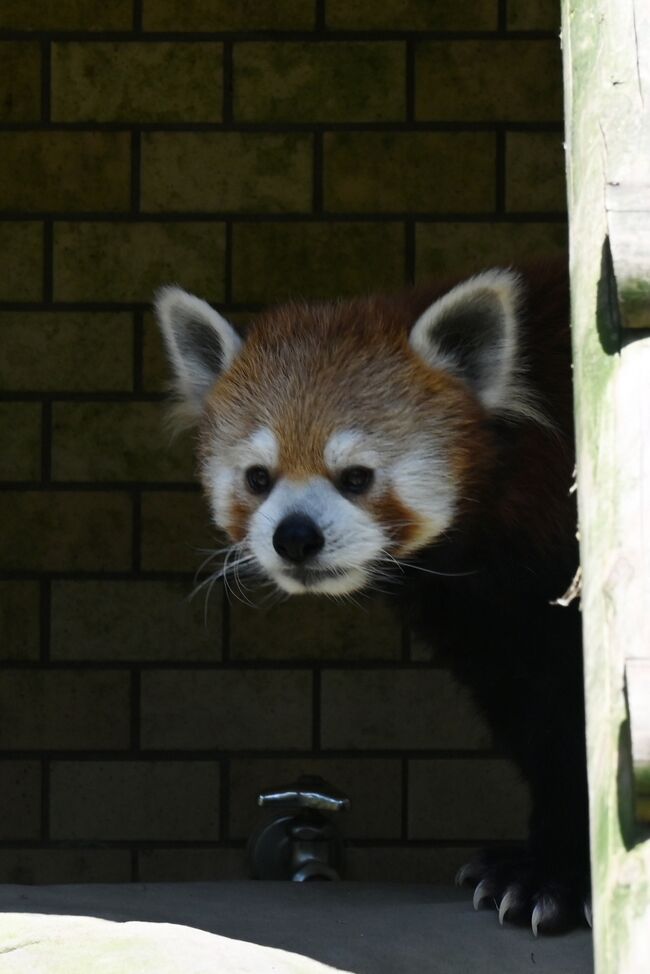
498, 628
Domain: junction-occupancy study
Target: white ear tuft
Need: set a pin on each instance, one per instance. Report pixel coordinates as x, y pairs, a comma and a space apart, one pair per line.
472, 332
201, 346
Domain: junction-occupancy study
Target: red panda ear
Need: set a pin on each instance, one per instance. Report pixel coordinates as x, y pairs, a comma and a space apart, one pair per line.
472, 332
200, 345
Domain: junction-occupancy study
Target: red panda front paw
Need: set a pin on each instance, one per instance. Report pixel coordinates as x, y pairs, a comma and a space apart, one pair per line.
521, 893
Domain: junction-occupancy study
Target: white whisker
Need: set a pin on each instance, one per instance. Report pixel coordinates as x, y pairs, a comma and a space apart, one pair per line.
431, 571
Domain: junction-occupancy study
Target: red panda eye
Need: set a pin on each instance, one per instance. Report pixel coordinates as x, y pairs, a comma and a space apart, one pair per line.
258, 480
356, 480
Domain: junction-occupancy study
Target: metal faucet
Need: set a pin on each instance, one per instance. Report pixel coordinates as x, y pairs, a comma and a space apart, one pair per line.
300, 843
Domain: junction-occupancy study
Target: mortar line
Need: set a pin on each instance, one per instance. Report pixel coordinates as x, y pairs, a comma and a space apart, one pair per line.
45, 616
502, 16
410, 81
262, 36
228, 82
45, 801
500, 173
405, 800
135, 172
360, 126
48, 260
138, 353
316, 711
136, 530
409, 251
137, 16
46, 78
224, 800
135, 715
227, 264
318, 173
46, 448
218, 217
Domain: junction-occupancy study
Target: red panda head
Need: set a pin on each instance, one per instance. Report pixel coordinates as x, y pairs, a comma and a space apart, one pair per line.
339, 437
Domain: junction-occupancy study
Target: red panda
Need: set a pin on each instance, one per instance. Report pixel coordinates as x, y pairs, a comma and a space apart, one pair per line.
425, 438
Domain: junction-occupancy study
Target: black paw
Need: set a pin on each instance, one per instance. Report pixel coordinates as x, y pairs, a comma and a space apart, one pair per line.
524, 894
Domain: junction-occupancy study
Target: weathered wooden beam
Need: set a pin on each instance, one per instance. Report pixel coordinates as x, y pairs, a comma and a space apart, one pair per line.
606, 47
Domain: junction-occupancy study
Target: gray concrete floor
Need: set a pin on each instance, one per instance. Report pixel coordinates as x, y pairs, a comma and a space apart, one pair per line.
358, 927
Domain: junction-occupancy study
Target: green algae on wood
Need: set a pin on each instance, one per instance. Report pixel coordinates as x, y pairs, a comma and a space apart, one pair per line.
606, 45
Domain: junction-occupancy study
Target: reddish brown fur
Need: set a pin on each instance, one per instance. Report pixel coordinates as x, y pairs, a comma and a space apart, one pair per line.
402, 525
238, 521
308, 371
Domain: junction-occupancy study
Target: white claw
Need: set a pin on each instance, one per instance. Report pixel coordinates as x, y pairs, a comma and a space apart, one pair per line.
546, 908
589, 917
482, 892
509, 899
463, 874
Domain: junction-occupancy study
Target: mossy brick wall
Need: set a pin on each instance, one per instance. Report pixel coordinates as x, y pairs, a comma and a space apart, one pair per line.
248, 151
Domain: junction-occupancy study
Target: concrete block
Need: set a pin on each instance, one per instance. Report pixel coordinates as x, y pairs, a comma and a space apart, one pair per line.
135, 82
226, 709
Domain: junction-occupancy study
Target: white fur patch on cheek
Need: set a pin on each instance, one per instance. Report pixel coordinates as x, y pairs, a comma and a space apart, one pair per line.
224, 472
262, 527
424, 484
220, 485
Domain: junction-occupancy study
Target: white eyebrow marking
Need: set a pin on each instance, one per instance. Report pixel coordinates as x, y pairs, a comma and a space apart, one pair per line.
346, 447
260, 447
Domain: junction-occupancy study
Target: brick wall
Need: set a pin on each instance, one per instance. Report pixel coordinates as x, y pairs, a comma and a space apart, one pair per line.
247, 151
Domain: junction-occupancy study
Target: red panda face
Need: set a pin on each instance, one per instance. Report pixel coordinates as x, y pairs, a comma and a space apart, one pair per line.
339, 439
323, 487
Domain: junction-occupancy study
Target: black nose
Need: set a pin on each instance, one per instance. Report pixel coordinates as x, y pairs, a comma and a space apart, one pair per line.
297, 538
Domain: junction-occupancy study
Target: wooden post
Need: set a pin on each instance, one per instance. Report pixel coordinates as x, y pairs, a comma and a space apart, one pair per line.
606, 45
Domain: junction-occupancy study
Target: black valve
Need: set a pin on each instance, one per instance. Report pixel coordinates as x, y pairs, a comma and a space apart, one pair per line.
300, 843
